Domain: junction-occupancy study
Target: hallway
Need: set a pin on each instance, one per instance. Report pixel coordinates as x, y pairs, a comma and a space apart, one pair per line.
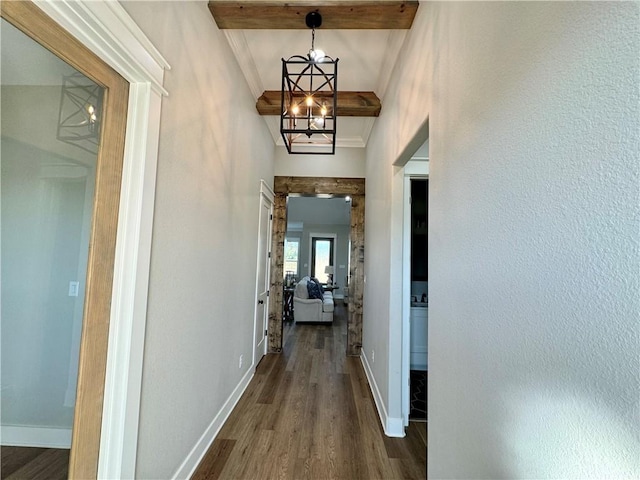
308, 413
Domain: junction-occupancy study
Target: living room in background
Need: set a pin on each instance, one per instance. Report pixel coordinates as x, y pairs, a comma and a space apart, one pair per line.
288, 191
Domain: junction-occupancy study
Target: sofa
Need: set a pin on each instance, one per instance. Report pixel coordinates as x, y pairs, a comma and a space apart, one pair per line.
307, 309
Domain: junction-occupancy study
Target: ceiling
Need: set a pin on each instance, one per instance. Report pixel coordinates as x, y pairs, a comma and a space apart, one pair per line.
366, 56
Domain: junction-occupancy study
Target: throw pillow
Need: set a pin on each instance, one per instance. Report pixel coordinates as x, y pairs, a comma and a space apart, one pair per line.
315, 291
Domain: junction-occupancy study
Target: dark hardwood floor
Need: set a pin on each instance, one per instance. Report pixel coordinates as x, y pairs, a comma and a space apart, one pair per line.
308, 414
34, 463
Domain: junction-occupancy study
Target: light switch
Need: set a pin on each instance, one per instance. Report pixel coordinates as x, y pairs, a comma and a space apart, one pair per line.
74, 287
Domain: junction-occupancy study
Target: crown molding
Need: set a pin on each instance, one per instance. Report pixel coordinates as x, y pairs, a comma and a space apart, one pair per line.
395, 40
367, 126
105, 27
238, 43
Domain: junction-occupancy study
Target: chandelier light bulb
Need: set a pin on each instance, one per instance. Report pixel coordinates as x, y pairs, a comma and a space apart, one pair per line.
90, 109
323, 111
309, 101
295, 109
317, 55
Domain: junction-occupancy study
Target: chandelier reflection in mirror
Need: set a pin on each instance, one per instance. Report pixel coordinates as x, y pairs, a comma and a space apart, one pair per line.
309, 99
80, 112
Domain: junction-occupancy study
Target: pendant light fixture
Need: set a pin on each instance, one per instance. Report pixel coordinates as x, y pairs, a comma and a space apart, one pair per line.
309, 99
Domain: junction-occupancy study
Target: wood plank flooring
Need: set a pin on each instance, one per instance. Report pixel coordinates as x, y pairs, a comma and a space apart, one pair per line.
34, 463
308, 414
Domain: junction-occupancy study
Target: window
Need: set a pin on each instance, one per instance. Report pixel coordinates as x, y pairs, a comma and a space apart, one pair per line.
321, 256
291, 256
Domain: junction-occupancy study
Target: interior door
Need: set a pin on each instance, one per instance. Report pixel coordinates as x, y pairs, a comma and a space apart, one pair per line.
262, 290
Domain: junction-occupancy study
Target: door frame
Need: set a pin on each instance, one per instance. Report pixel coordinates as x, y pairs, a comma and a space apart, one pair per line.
309, 186
105, 30
266, 194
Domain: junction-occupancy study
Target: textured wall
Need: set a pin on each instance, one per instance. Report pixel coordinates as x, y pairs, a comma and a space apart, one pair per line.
347, 162
203, 264
534, 234
406, 106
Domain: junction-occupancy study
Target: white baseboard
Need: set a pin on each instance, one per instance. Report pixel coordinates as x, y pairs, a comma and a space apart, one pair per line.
392, 426
194, 457
28, 436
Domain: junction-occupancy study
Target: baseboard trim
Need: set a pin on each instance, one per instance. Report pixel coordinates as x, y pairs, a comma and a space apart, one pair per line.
28, 436
189, 465
392, 426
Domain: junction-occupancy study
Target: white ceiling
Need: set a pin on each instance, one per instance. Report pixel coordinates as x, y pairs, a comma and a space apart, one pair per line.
366, 60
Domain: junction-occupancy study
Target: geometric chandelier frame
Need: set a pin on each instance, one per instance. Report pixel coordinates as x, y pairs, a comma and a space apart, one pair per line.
80, 112
309, 100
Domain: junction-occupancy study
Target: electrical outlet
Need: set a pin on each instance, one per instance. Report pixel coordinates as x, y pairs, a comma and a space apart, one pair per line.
74, 288
240, 362
373, 356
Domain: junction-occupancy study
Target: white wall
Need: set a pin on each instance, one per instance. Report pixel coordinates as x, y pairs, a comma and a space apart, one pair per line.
214, 149
533, 113
347, 163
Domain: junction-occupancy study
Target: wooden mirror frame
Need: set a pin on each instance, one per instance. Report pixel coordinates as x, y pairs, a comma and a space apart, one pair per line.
355, 188
85, 444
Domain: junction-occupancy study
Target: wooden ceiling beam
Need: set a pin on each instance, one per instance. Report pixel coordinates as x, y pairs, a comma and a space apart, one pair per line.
350, 104
319, 186
370, 15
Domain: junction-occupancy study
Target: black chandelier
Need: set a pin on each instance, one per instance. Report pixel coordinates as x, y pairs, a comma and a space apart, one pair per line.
309, 99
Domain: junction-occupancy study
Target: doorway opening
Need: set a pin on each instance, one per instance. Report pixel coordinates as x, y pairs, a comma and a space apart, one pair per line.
419, 310
415, 296
286, 227
317, 244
